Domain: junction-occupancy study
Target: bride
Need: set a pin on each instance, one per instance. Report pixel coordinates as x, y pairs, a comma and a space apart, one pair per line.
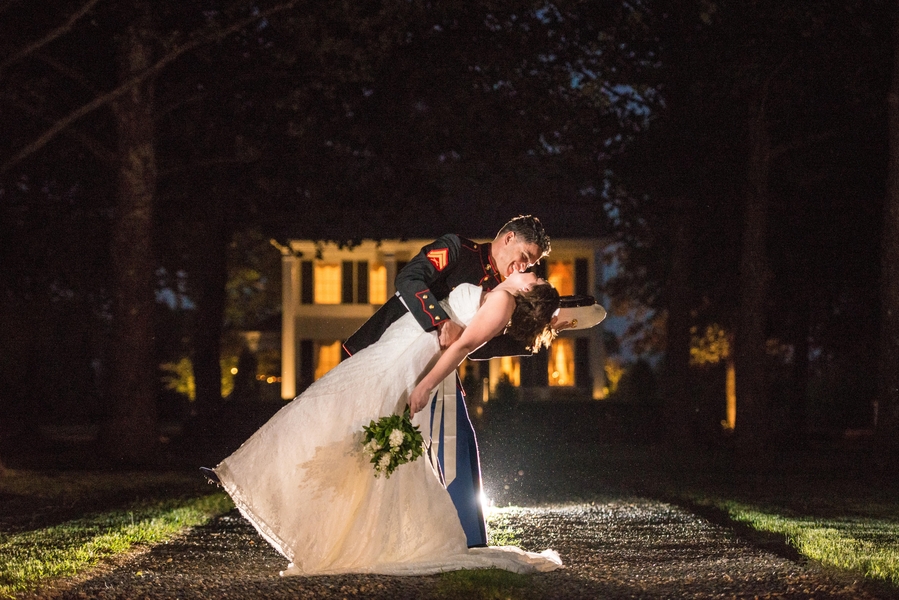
305, 484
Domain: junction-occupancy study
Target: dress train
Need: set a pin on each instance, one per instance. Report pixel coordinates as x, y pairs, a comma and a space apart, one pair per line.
304, 483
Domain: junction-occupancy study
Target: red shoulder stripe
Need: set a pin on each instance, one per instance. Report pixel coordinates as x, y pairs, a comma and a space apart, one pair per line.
439, 257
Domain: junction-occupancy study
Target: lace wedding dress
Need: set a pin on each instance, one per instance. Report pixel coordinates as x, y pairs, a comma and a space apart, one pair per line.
304, 483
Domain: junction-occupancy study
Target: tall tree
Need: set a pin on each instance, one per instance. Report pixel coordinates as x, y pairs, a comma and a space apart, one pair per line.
779, 95
675, 200
798, 69
888, 376
130, 429
38, 70
752, 382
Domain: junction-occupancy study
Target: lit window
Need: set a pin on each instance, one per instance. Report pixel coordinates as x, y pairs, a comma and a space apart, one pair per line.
464, 368
328, 358
511, 368
377, 284
327, 284
561, 275
561, 362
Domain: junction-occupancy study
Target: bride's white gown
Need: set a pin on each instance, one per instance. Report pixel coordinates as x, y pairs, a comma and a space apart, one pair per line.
304, 483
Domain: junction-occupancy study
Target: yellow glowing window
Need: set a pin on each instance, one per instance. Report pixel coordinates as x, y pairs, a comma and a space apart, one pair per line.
328, 358
511, 368
377, 284
561, 362
327, 284
561, 275
464, 368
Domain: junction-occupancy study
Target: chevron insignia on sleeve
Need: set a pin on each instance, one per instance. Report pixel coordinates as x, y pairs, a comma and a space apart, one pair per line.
439, 258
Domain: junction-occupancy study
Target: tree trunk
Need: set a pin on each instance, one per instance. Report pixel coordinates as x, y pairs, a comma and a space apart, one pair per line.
677, 346
752, 396
797, 409
130, 432
212, 247
888, 384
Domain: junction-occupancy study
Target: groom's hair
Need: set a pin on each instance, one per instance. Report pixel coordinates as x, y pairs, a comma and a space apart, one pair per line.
530, 230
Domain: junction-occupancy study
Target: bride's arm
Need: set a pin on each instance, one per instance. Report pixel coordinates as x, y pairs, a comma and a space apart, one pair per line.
490, 320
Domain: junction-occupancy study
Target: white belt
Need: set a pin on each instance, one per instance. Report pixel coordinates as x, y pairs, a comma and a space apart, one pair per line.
445, 412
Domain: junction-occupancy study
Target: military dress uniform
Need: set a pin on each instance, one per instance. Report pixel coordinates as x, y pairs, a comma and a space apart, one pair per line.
428, 278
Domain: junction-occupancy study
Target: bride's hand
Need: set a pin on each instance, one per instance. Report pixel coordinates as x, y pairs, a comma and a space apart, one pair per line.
418, 400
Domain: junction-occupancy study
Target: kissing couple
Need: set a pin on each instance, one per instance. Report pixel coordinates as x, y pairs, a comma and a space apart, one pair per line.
304, 480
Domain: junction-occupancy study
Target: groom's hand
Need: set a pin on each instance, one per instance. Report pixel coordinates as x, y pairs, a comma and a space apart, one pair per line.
559, 325
447, 333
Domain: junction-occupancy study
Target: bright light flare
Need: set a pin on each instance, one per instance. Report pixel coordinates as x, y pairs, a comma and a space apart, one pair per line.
486, 503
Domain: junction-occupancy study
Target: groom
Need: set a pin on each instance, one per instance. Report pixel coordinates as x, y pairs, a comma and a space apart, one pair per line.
428, 278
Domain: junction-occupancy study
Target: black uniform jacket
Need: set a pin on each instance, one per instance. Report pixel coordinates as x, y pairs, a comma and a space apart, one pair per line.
428, 278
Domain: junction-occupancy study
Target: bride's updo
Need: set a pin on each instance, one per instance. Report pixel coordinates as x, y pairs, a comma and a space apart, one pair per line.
533, 312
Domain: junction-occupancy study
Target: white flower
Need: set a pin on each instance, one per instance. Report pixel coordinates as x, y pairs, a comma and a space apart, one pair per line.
372, 447
384, 462
396, 438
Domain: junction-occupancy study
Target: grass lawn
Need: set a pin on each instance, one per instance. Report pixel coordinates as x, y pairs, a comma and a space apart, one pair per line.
867, 545
31, 557
34, 557
826, 504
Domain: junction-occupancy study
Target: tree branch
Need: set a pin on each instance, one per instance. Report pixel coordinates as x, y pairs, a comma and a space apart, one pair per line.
110, 96
91, 144
52, 35
66, 71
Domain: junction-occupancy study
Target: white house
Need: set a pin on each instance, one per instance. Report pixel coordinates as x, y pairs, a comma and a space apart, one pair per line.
329, 291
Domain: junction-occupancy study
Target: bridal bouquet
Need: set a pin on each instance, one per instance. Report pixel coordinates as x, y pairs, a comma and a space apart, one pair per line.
391, 442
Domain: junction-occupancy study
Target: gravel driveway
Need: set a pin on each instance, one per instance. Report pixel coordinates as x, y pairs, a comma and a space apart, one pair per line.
617, 548
615, 543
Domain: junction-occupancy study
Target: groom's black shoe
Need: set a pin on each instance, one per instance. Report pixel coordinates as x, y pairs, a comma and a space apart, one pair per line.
210, 475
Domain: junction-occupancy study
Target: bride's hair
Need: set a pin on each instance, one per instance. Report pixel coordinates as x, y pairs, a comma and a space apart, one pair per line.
534, 310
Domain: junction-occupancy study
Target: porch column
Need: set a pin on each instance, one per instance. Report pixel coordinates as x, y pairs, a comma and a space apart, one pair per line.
597, 363
290, 298
390, 268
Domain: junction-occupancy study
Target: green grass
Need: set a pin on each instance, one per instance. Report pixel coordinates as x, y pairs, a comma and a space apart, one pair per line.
823, 503
489, 584
499, 530
31, 558
484, 584
854, 543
